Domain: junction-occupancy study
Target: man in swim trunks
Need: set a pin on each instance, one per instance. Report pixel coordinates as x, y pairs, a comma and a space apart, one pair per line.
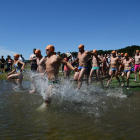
53, 63
33, 61
114, 68
127, 62
95, 66
120, 62
41, 67
137, 64
82, 58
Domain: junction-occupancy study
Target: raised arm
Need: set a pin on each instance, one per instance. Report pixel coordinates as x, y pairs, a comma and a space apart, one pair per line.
91, 53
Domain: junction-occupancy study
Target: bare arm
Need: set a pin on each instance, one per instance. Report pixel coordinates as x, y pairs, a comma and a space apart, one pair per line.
91, 53
43, 60
67, 64
31, 58
75, 60
23, 64
13, 71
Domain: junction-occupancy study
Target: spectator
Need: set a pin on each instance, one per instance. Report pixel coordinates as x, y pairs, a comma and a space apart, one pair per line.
9, 62
33, 61
22, 58
2, 61
58, 53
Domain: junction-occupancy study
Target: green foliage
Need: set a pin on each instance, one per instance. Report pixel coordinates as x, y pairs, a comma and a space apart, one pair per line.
129, 49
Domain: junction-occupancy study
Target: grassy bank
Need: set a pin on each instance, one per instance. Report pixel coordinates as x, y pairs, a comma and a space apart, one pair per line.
134, 86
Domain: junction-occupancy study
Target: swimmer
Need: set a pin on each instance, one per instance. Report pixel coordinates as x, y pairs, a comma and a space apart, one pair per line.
95, 66
120, 62
114, 68
18, 67
53, 63
137, 65
104, 65
41, 67
82, 59
127, 62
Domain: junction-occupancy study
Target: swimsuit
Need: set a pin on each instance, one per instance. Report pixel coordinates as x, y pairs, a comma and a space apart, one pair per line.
95, 68
53, 82
113, 69
126, 70
137, 66
81, 68
18, 68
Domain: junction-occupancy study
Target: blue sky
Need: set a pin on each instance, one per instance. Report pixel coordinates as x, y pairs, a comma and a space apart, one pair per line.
98, 24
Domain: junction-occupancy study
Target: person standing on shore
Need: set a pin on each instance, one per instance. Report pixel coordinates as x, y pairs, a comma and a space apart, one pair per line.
2, 61
33, 61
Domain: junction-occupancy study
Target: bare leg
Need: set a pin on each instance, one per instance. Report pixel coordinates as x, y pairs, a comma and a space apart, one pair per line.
123, 79
98, 76
16, 76
109, 79
65, 74
48, 100
116, 74
34, 88
90, 75
76, 75
128, 75
82, 72
135, 72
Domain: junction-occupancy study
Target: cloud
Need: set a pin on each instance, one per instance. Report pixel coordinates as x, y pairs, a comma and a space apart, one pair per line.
5, 52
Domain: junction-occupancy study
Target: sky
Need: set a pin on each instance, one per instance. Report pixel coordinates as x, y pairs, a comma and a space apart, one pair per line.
98, 24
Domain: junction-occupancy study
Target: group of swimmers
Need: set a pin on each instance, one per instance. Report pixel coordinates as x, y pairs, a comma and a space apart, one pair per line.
49, 66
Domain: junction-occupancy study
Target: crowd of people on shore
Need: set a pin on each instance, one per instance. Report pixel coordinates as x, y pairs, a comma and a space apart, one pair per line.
84, 65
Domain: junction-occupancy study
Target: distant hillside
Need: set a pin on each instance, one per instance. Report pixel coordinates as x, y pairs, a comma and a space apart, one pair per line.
129, 49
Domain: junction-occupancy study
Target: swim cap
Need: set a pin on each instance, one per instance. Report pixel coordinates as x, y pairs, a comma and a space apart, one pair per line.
81, 46
38, 51
17, 55
126, 54
113, 52
121, 53
137, 50
50, 47
95, 51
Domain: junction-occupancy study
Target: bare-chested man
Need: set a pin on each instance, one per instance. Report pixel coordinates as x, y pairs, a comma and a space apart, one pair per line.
114, 68
41, 67
82, 58
95, 66
52, 68
121, 61
127, 62
137, 64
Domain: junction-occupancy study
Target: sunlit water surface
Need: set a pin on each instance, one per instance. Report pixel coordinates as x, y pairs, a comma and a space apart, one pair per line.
93, 113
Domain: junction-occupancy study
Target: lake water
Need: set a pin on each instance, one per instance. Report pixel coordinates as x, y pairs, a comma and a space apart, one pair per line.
90, 114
